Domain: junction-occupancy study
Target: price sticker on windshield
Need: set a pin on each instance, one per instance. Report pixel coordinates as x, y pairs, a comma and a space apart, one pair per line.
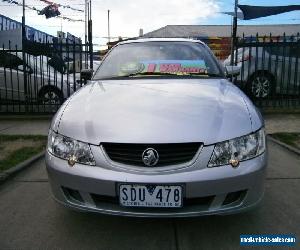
176, 67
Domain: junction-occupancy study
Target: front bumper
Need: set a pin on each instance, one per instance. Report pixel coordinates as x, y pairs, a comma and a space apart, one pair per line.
218, 190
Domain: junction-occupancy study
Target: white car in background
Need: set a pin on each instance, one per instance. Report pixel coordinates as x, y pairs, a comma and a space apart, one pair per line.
47, 81
267, 71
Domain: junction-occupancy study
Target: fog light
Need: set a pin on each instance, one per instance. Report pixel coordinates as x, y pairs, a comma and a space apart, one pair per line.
234, 197
234, 163
72, 160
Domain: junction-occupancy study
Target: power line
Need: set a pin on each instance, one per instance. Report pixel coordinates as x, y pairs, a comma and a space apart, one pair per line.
42, 16
31, 5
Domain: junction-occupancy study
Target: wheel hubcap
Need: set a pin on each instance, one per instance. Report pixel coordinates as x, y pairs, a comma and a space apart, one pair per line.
261, 86
51, 98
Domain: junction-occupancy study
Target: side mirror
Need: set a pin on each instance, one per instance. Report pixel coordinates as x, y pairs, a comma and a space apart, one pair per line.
232, 71
86, 74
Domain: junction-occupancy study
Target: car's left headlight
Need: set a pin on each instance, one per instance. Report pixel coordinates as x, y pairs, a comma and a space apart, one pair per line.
70, 149
238, 149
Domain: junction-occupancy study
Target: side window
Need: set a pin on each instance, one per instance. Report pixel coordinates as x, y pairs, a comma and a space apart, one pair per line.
278, 50
8, 60
58, 64
295, 50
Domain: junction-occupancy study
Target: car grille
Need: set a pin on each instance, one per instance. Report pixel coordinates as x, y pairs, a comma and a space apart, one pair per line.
169, 153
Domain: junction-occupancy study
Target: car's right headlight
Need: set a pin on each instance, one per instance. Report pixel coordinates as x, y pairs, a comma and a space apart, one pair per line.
238, 149
70, 149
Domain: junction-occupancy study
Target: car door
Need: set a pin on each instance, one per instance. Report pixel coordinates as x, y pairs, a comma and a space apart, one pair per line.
11, 77
295, 69
278, 66
287, 68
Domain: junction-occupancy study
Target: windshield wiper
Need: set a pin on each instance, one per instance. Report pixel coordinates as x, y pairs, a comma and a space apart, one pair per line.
162, 74
151, 74
214, 75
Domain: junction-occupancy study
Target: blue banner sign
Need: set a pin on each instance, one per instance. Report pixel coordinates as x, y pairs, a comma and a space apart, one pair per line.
32, 34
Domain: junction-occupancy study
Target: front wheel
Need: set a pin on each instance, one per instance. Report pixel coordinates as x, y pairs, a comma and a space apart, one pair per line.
50, 95
261, 85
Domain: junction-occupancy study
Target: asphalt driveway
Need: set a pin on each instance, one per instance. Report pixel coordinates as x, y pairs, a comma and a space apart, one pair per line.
30, 219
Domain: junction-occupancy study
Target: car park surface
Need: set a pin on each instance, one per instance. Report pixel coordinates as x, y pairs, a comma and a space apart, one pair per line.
30, 218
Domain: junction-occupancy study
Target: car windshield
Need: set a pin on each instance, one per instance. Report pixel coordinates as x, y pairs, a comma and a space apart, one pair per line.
144, 59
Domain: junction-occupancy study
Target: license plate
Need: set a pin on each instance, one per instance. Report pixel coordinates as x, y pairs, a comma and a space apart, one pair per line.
135, 195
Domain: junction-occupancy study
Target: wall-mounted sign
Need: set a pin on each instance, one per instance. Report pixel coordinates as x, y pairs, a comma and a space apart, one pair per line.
32, 34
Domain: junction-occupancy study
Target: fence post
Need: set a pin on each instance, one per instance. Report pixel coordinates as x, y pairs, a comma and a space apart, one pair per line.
90, 44
74, 64
25, 75
234, 33
24, 58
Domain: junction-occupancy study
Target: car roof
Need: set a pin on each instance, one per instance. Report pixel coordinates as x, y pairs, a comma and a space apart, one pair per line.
143, 40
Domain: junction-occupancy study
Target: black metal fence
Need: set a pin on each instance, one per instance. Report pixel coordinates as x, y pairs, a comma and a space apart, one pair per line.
38, 77
270, 69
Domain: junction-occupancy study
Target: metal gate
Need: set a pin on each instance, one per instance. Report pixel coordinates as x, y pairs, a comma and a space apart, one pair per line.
40, 76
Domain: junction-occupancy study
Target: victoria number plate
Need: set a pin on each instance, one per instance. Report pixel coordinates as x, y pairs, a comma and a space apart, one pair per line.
136, 195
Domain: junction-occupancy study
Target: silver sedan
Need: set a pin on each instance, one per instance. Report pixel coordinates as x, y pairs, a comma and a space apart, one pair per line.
158, 132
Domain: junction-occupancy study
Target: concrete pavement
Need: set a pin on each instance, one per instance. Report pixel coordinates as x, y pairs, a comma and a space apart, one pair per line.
282, 123
25, 127
30, 219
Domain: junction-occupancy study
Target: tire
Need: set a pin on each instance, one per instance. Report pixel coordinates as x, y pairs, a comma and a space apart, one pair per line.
50, 95
261, 85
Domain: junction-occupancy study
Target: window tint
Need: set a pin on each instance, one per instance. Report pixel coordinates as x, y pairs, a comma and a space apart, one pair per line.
9, 60
278, 50
295, 50
58, 64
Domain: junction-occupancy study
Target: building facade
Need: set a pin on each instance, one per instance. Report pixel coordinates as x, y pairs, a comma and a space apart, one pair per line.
218, 37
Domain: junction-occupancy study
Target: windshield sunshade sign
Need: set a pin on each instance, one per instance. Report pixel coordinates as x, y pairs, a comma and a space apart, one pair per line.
178, 67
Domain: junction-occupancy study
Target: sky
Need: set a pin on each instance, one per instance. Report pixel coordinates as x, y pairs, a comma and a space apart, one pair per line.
128, 16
